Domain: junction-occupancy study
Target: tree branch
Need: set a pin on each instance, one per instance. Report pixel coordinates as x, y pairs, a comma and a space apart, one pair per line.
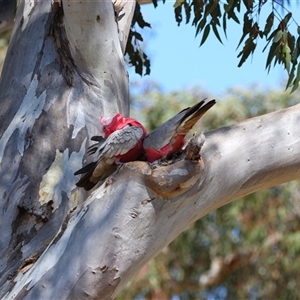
119, 228
46, 122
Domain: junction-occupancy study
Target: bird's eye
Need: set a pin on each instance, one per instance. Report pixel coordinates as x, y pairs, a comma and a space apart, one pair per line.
129, 124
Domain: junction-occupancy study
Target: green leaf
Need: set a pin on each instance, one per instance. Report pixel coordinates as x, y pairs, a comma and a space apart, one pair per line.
237, 4
215, 30
271, 36
187, 10
296, 51
291, 77
210, 7
291, 41
247, 50
246, 28
178, 14
138, 64
147, 64
178, 3
154, 3
287, 57
234, 17
137, 35
232, 4
287, 18
215, 20
217, 13
284, 36
269, 24
138, 18
254, 30
297, 79
277, 36
225, 25
269, 39
205, 34
135, 54
198, 11
272, 53
248, 4
241, 40
200, 26
228, 6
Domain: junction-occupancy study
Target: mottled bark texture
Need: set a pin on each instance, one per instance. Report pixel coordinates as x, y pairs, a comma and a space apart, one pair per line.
64, 68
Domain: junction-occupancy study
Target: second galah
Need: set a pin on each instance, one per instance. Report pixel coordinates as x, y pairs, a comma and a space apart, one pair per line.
168, 138
122, 142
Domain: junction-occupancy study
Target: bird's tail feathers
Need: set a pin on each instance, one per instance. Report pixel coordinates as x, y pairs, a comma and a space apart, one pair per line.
194, 113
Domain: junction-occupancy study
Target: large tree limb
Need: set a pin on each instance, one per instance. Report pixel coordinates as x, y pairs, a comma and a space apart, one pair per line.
128, 220
52, 91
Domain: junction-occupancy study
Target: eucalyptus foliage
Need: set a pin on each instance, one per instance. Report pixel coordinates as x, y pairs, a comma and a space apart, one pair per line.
281, 38
271, 22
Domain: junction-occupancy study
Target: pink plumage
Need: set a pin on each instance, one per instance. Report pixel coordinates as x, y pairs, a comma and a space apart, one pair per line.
122, 142
168, 138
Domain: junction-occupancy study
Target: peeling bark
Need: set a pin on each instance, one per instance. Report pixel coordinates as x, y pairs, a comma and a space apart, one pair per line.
119, 229
52, 92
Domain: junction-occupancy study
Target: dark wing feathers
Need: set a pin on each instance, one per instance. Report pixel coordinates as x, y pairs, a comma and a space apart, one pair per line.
86, 168
118, 143
98, 138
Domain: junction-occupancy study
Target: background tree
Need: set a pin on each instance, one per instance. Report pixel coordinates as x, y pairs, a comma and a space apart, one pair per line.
55, 239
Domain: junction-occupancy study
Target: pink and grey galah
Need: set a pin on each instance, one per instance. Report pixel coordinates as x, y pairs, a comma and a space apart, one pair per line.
168, 138
122, 142
125, 139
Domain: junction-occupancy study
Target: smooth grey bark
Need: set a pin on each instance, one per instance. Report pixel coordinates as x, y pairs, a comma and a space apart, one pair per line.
52, 92
55, 239
119, 229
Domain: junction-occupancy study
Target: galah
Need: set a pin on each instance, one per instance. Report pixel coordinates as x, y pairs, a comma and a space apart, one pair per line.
168, 138
122, 142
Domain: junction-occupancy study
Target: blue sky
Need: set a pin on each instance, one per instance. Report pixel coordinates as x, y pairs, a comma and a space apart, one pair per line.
177, 61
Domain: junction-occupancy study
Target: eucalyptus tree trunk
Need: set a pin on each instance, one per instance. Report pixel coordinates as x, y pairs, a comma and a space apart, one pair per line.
64, 68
